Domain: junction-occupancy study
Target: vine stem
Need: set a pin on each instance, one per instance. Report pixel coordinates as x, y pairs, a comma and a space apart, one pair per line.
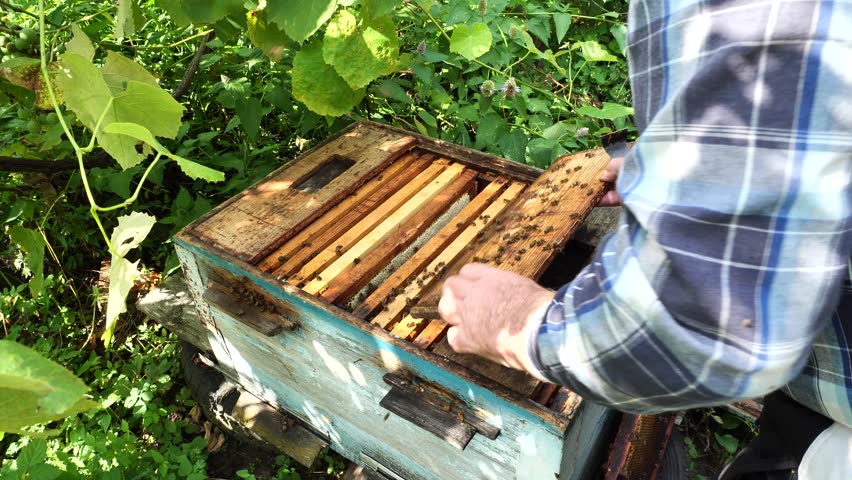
77, 150
163, 47
138, 190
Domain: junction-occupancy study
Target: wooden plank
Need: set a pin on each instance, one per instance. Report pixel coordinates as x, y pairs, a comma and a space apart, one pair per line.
171, 305
310, 247
345, 210
410, 406
347, 284
363, 227
263, 217
431, 249
539, 224
516, 380
433, 332
544, 393
436, 268
407, 328
383, 230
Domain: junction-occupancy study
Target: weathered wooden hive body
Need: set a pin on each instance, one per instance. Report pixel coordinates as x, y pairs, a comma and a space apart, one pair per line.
305, 283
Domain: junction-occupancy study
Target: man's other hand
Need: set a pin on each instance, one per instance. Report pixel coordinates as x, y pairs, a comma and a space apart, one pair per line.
610, 175
490, 311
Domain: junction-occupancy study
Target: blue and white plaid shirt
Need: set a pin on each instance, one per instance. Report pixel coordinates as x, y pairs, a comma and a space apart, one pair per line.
724, 279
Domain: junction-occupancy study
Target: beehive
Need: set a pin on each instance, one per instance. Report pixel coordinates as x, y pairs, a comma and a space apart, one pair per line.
310, 282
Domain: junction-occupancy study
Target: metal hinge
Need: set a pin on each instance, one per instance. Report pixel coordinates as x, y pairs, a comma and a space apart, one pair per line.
378, 469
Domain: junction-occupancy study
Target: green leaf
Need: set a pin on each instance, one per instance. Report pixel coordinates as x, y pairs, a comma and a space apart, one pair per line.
191, 169
122, 274
542, 152
391, 90
490, 128
471, 42
563, 23
130, 232
185, 12
428, 119
265, 35
80, 44
318, 86
514, 145
690, 448
128, 19
118, 70
301, 18
250, 113
555, 131
90, 93
609, 111
593, 51
360, 53
32, 243
619, 33
728, 442
372, 9
36, 390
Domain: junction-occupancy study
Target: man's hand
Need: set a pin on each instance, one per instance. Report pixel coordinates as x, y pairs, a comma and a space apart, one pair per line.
489, 312
610, 175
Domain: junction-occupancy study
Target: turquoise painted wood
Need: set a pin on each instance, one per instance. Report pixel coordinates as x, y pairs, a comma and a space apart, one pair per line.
328, 372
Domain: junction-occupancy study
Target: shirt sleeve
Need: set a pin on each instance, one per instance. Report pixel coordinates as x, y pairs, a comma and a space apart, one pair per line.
735, 233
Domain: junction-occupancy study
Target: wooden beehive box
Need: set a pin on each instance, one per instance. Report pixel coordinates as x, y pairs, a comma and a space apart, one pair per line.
306, 282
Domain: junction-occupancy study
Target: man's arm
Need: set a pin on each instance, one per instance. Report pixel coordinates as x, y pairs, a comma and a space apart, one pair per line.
737, 213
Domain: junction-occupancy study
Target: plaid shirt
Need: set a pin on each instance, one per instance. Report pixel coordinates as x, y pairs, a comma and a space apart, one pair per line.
724, 279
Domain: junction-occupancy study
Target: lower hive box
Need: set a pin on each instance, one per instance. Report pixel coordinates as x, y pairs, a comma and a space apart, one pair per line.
317, 288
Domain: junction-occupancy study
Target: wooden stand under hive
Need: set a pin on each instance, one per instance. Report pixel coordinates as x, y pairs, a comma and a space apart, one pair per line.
317, 288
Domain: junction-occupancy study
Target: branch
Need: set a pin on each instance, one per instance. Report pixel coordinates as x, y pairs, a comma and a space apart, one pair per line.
21, 10
184, 84
14, 164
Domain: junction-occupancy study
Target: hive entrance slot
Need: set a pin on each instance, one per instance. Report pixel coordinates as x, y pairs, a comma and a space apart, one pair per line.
324, 174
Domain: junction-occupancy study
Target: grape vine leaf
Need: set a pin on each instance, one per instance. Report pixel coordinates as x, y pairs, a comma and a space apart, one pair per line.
266, 35
88, 94
32, 243
26, 72
128, 19
80, 44
301, 18
318, 86
609, 111
36, 390
130, 232
185, 12
118, 70
563, 23
191, 169
593, 51
360, 53
372, 9
471, 42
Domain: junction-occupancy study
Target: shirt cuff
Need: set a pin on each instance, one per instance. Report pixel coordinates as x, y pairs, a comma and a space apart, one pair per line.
532, 341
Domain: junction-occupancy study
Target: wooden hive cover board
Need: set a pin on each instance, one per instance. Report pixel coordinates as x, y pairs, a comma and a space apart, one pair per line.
259, 219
